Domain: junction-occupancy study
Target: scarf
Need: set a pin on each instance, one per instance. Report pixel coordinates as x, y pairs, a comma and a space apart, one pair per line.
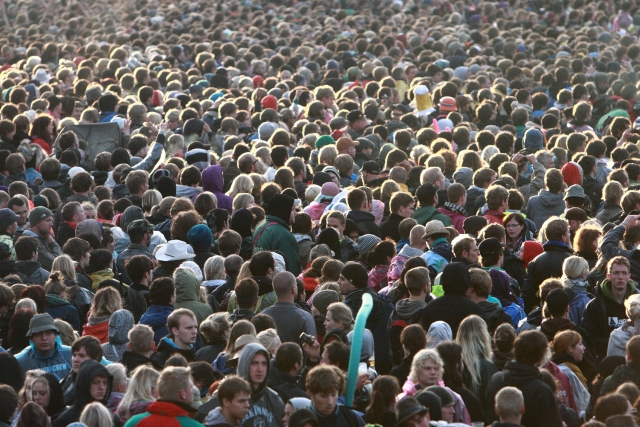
455, 208
570, 362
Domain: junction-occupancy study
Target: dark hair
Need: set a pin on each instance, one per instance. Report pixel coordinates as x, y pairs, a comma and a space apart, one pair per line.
161, 291
381, 252
451, 354
100, 260
25, 246
246, 293
9, 399
91, 345
37, 294
530, 347
260, 263
76, 248
384, 390
338, 354
262, 322
18, 327
287, 355
330, 237
137, 266
203, 372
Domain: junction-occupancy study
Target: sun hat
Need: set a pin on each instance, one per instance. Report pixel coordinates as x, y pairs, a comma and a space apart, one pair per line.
174, 250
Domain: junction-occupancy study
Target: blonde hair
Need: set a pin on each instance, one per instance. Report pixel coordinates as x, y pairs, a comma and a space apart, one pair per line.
420, 360
67, 334
143, 380
151, 198
573, 267
173, 380
312, 192
214, 268
215, 326
96, 415
340, 312
475, 341
327, 155
65, 265
386, 191
106, 302
244, 272
241, 184
632, 307
242, 200
22, 394
268, 340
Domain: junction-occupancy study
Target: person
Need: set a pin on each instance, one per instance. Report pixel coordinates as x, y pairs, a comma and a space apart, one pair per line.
120, 324
440, 251
235, 400
475, 341
84, 348
360, 212
509, 407
609, 244
455, 281
188, 293
480, 287
106, 302
183, 329
40, 225
283, 375
606, 311
568, 351
45, 351
383, 398
142, 390
32, 414
628, 372
522, 373
47, 393
266, 406
8, 227
410, 412
413, 340
93, 384
162, 295
57, 305
140, 233
549, 263
290, 320
401, 206
547, 203
274, 233
140, 349
324, 384
9, 400
175, 397
620, 336
574, 273
214, 331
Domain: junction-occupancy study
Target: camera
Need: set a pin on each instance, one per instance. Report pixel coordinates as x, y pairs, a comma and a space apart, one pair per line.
306, 339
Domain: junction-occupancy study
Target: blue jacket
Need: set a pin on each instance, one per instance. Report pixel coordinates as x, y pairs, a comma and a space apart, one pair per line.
578, 303
59, 308
57, 363
156, 317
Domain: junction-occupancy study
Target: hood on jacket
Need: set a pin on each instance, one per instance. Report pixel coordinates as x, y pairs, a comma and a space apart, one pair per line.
27, 267
490, 310
500, 286
120, 324
550, 327
56, 397
187, 285
367, 345
56, 301
280, 206
455, 279
409, 252
406, 308
516, 374
156, 315
89, 369
605, 287
443, 248
246, 357
550, 200
212, 179
215, 418
438, 331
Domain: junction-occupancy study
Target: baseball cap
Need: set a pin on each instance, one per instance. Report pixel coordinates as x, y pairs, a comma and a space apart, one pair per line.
371, 167
140, 225
7, 217
338, 123
364, 144
344, 143
490, 246
355, 115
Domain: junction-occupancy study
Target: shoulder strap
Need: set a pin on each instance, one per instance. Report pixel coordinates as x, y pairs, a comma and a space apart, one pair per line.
253, 245
350, 417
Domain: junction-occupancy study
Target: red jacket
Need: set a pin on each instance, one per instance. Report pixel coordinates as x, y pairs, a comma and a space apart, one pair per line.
99, 330
42, 143
165, 414
494, 217
457, 219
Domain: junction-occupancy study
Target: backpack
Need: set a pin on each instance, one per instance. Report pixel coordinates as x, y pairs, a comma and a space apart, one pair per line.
396, 326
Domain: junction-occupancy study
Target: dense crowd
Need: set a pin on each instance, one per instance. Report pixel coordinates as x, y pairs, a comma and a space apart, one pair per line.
198, 198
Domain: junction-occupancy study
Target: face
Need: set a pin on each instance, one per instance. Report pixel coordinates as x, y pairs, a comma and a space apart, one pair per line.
521, 252
429, 374
98, 388
448, 412
50, 128
331, 324
91, 214
514, 229
406, 211
328, 101
473, 254
40, 394
80, 214
44, 341
292, 214
440, 182
239, 406
77, 357
345, 285
324, 403
186, 333
619, 276
577, 351
258, 369
44, 226
23, 213
336, 225
288, 410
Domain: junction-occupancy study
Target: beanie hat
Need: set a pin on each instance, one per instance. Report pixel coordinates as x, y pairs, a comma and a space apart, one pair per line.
129, 215
533, 140
572, 173
329, 189
258, 81
199, 236
280, 206
356, 275
39, 200
324, 140
366, 243
445, 396
38, 214
323, 298
166, 186
531, 250
90, 226
270, 101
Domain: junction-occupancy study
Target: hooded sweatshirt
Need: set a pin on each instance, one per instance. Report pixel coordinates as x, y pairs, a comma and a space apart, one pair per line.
34, 272
406, 313
88, 371
398, 262
156, 317
453, 306
212, 181
120, 324
188, 294
543, 206
60, 308
58, 362
266, 408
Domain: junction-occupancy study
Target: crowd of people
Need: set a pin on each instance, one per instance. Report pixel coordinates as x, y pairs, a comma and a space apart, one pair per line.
198, 198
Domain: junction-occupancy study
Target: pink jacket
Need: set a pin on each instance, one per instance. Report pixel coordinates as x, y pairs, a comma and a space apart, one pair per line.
456, 218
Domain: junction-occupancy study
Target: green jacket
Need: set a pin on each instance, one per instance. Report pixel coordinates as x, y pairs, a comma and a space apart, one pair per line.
8, 240
274, 235
429, 213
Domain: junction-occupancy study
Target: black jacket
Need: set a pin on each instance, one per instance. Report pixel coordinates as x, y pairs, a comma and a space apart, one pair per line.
365, 222
453, 307
284, 384
514, 267
538, 398
593, 190
389, 228
623, 374
166, 349
547, 264
493, 315
132, 360
208, 353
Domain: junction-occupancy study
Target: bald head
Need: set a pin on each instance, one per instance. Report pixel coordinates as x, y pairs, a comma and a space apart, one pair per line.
285, 287
415, 237
246, 162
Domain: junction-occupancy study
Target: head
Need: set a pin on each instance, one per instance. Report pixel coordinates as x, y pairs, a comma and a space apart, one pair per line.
426, 368
324, 384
